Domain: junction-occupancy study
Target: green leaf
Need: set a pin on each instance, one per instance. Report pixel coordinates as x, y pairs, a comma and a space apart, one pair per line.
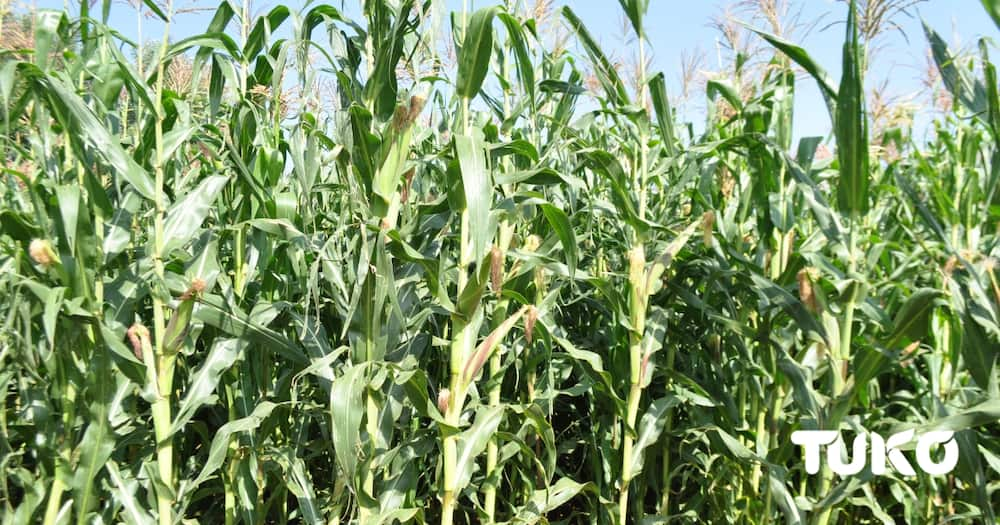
538, 176
265, 25
381, 86
544, 501
968, 91
478, 191
650, 427
315, 16
774, 296
468, 303
472, 442
346, 412
993, 8
87, 129
213, 311
593, 367
912, 319
635, 10
982, 414
992, 91
851, 125
666, 259
664, 114
301, 486
155, 9
69, 208
414, 383
18, 226
776, 474
185, 217
801, 57
801, 381
205, 41
129, 74
201, 389
174, 139
979, 352
613, 86
45, 27
607, 165
561, 86
726, 90
559, 222
95, 449
134, 512
108, 84
220, 442
474, 55
518, 42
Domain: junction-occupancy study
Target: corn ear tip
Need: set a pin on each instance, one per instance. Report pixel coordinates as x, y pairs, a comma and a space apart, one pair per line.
496, 268
416, 106
906, 355
707, 224
532, 243
530, 318
399, 118
195, 289
42, 253
950, 265
136, 334
806, 292
444, 400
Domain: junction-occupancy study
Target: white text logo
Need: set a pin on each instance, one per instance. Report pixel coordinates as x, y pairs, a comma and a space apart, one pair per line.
812, 442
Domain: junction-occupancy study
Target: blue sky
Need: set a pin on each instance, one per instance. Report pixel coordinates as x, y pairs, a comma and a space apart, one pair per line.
677, 27
683, 28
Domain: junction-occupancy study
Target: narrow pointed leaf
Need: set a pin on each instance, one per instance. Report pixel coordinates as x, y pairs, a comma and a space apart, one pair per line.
474, 56
851, 125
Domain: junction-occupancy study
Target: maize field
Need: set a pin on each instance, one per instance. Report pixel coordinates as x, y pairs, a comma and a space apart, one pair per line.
405, 261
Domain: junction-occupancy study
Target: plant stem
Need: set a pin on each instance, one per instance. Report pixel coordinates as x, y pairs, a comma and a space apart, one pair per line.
55, 495
228, 481
371, 426
462, 341
843, 354
492, 449
779, 399
164, 362
637, 268
848, 321
637, 283
634, 393
452, 417
69, 414
371, 406
668, 426
506, 234
495, 364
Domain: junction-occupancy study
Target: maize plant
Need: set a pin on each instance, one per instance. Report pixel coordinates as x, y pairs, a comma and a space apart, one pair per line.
407, 262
